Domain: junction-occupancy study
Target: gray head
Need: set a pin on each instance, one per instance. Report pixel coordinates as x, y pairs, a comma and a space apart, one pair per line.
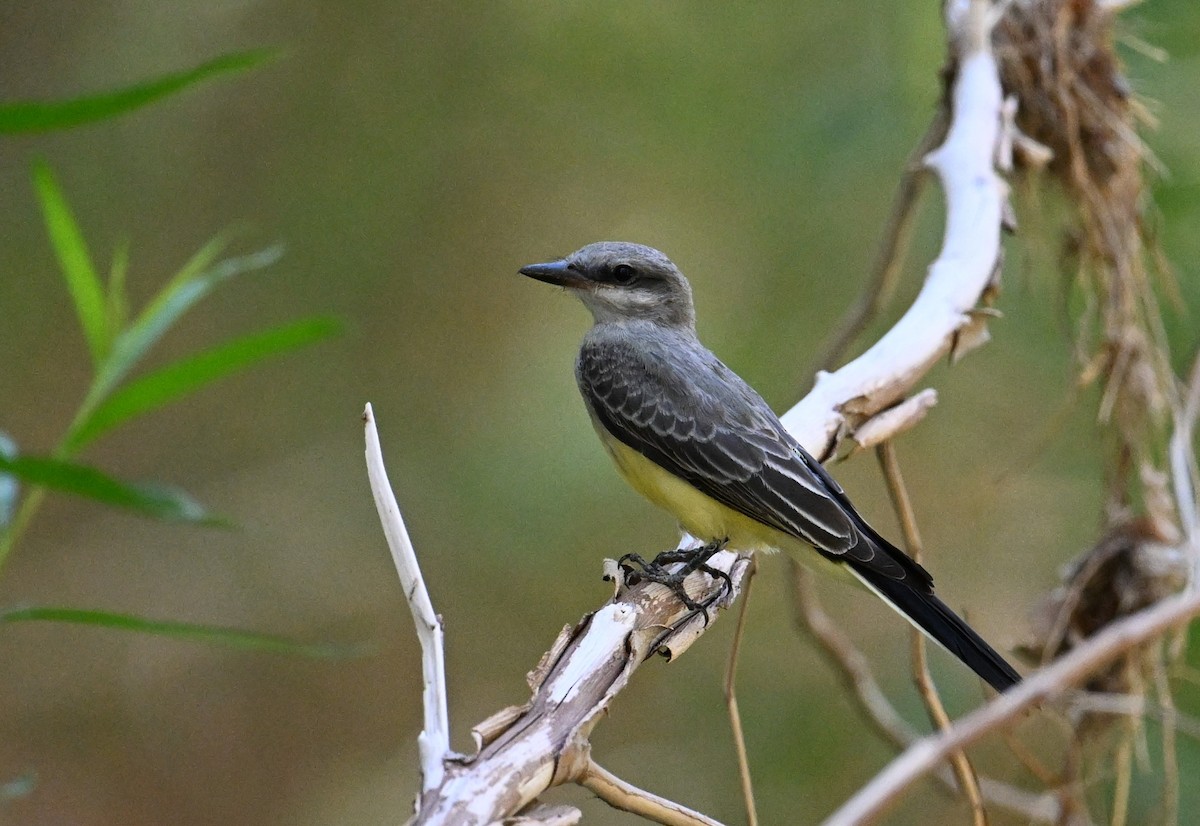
619, 281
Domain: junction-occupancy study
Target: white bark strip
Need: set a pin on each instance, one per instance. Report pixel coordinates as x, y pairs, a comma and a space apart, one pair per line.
433, 742
957, 280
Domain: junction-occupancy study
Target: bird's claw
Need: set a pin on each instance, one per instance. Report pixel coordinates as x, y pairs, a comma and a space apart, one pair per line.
693, 559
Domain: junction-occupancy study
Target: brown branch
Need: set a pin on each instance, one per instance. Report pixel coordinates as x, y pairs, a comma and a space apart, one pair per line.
886, 788
731, 702
845, 658
849, 662
628, 798
1123, 777
963, 770
1170, 722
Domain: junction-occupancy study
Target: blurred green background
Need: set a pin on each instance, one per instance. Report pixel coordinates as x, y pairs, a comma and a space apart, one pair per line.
411, 157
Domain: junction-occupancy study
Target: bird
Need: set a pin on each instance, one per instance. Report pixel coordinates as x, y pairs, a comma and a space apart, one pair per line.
695, 439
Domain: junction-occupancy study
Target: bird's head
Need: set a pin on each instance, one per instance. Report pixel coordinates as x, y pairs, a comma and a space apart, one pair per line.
619, 281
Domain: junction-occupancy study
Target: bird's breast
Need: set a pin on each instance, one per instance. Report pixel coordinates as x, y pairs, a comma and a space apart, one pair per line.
699, 514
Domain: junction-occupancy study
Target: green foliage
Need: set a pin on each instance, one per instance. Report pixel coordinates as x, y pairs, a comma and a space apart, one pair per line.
183, 377
188, 286
76, 262
42, 117
117, 345
157, 501
185, 631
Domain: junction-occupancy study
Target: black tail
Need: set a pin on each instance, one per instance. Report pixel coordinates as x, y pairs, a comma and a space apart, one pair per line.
933, 617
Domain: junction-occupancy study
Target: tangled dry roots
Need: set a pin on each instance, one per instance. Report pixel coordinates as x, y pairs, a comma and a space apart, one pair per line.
1058, 58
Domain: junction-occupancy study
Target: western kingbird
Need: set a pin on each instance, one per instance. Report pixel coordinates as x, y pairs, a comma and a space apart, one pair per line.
692, 437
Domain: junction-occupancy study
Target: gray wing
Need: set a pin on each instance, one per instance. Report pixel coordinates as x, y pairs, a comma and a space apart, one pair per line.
717, 433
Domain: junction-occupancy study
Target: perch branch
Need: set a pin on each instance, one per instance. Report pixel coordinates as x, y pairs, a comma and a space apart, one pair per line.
523, 751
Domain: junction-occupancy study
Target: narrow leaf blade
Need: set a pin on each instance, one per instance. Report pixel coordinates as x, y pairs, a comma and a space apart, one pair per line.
176, 380
41, 117
69, 247
194, 281
187, 631
155, 501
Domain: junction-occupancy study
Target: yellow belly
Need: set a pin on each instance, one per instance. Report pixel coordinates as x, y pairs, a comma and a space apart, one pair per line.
700, 515
704, 517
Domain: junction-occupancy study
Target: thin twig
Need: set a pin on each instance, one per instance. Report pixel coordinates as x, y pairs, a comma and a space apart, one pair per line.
1137, 705
1170, 722
968, 781
1183, 470
1123, 764
886, 788
629, 798
1029, 760
731, 703
845, 658
848, 660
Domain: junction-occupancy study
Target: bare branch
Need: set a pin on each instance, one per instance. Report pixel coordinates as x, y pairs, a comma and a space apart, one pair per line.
731, 702
1170, 723
544, 743
958, 280
1183, 470
1123, 636
433, 743
967, 780
841, 652
621, 795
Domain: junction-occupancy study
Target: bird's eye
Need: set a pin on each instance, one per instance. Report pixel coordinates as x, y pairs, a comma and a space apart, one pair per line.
624, 274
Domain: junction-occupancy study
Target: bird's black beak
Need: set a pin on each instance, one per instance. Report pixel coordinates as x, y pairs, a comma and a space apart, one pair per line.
559, 273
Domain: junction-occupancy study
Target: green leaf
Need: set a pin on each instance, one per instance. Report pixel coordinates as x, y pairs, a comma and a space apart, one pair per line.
41, 117
212, 634
151, 500
76, 263
194, 281
176, 380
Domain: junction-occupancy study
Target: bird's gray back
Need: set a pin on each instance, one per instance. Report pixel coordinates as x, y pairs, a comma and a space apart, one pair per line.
677, 375
662, 393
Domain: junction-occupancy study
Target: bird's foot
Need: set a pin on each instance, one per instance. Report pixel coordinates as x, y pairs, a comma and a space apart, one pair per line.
693, 559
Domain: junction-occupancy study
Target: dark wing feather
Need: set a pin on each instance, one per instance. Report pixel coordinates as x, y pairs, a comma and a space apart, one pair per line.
715, 432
